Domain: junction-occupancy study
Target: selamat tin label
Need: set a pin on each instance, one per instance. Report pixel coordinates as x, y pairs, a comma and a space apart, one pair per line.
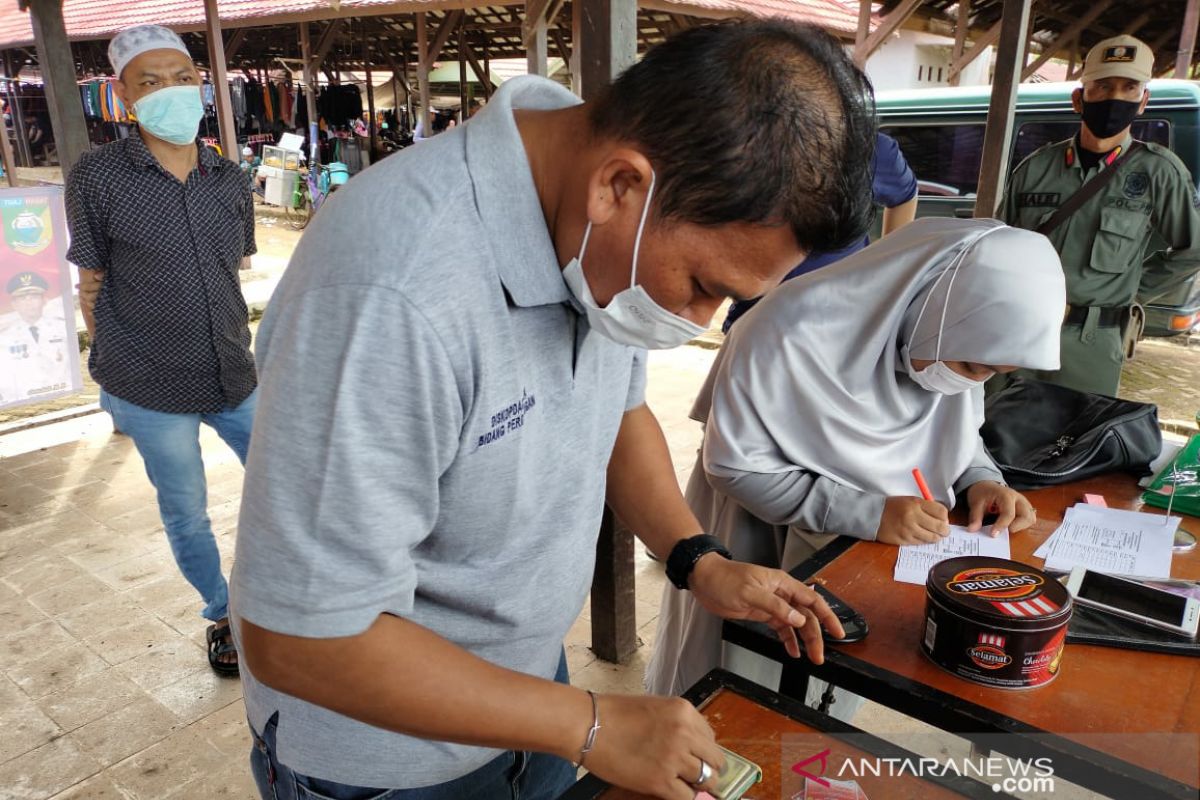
995, 622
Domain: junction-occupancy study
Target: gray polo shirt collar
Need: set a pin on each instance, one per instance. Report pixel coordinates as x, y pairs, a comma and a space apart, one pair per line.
508, 202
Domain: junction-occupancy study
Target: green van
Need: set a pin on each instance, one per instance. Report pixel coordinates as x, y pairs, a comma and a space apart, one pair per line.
940, 132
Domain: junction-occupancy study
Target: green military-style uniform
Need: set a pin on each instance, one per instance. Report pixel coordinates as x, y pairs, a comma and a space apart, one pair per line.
1103, 243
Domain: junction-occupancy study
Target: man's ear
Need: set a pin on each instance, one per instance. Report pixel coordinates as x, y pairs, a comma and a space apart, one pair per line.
1077, 100
620, 182
1145, 100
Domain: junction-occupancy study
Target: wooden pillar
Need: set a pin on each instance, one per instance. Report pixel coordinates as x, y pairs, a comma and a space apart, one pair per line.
961, 26
1074, 46
57, 65
411, 119
14, 103
536, 54
1010, 59
423, 67
18, 119
6, 151
463, 93
605, 35
371, 110
1187, 40
310, 96
216, 63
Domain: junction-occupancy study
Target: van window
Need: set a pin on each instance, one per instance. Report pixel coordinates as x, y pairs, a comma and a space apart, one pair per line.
1032, 135
945, 158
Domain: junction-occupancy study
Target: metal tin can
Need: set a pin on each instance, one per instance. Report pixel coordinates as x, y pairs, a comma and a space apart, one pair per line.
995, 622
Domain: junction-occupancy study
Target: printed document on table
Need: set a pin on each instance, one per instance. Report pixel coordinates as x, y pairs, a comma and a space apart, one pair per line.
915, 560
1113, 541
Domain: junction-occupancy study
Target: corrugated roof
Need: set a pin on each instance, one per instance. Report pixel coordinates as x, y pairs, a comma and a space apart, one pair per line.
99, 19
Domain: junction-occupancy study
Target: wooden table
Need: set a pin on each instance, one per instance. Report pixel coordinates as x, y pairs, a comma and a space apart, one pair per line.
1128, 695
776, 732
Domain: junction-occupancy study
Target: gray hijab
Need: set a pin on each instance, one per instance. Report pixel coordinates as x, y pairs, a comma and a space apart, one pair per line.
812, 378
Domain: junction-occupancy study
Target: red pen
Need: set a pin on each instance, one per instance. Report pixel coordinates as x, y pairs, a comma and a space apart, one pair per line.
921, 484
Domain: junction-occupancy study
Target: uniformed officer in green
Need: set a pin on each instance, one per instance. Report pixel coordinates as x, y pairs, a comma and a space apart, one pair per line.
1102, 244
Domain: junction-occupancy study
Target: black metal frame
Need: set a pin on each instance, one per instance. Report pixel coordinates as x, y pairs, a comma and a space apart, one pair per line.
590, 787
1072, 761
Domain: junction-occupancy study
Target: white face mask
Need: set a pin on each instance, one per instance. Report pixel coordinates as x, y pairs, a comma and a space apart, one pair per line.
938, 377
631, 317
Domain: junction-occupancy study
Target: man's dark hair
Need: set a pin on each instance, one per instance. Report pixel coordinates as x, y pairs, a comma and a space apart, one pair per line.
761, 121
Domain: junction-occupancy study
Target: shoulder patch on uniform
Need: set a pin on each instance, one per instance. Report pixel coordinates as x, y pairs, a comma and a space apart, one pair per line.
1136, 184
1038, 199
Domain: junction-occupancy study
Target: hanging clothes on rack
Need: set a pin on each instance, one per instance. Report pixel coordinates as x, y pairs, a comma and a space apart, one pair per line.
237, 99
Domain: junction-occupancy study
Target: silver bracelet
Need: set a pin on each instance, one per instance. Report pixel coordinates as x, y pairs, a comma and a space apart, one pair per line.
590, 742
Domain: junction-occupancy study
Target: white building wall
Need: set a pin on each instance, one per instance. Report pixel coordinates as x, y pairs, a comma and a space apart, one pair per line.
919, 60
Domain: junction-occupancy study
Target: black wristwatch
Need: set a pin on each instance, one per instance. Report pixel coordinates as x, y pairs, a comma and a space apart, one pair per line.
687, 552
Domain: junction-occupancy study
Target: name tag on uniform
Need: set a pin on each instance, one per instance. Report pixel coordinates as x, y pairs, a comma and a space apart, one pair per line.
1038, 199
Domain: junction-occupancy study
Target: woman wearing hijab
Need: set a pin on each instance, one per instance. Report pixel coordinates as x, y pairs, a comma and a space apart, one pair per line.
838, 383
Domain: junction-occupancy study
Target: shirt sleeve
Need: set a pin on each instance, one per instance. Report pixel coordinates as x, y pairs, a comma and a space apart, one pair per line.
251, 246
982, 468
359, 416
1177, 220
894, 183
806, 500
86, 220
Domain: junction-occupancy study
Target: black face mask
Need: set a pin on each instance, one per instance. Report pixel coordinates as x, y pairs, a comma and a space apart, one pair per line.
1107, 118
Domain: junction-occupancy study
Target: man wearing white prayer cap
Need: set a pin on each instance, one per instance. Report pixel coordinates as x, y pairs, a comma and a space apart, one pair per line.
159, 225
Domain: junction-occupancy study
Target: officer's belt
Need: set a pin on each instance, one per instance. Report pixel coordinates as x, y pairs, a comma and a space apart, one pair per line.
1109, 317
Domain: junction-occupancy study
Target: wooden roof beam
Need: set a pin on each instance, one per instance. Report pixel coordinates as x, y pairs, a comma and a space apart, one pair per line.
325, 43
538, 11
477, 68
981, 45
449, 23
887, 27
234, 43
1070, 33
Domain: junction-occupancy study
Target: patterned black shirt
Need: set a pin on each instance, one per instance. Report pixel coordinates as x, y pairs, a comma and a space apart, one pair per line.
171, 322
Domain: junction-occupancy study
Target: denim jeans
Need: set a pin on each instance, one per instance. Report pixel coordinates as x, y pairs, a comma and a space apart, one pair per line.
509, 776
170, 448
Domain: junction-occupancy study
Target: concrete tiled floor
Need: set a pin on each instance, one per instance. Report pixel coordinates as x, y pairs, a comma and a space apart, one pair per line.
104, 687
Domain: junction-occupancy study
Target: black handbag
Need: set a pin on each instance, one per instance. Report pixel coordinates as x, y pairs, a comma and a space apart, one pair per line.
1042, 434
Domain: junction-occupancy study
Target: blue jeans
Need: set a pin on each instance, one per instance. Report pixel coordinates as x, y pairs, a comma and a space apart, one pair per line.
509, 776
170, 448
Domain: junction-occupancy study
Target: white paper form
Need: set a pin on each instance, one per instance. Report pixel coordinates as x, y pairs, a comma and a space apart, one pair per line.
915, 560
1111, 540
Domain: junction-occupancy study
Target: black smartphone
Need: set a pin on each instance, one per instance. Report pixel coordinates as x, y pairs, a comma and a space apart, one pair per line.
853, 623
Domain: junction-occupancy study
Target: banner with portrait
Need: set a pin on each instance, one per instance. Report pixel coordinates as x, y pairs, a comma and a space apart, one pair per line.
39, 351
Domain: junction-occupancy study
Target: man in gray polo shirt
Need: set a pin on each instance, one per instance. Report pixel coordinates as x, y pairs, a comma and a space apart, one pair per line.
452, 378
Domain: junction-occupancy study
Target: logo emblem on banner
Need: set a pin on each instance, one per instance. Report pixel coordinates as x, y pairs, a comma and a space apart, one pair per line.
28, 232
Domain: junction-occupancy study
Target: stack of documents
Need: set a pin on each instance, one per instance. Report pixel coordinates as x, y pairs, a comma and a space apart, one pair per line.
915, 560
1112, 541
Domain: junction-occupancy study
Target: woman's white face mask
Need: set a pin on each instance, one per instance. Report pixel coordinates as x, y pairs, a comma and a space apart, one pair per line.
939, 377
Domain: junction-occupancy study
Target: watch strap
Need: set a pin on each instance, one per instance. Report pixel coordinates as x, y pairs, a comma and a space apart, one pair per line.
687, 552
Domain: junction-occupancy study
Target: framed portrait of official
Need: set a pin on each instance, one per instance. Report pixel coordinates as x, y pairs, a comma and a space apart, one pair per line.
39, 351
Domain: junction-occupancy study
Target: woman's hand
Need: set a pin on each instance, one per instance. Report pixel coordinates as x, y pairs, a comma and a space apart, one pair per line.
1013, 510
911, 520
